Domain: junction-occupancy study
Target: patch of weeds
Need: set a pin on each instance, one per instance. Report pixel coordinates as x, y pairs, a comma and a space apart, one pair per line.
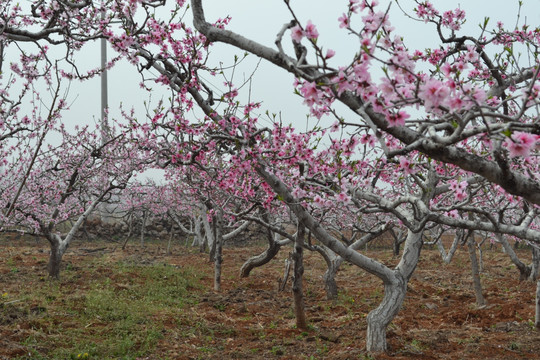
32, 355
378, 293
367, 357
289, 314
470, 340
115, 314
80, 356
277, 350
201, 328
323, 349
514, 346
207, 349
346, 298
416, 346
10, 262
220, 306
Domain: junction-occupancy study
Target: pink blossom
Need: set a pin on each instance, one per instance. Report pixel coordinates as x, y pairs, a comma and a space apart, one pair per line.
520, 144
447, 69
459, 189
368, 139
453, 19
318, 201
426, 11
406, 166
374, 21
310, 92
452, 213
397, 119
297, 33
434, 93
344, 21
343, 83
311, 31
344, 198
532, 96
471, 55
329, 53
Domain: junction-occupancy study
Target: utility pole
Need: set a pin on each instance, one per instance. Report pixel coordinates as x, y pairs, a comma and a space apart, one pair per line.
103, 211
104, 87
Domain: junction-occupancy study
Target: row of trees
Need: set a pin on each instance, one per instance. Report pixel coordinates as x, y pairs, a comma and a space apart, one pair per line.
447, 139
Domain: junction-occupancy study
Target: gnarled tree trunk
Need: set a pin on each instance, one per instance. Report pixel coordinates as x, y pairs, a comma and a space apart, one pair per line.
524, 270
329, 279
218, 253
395, 290
259, 260
379, 318
297, 280
334, 261
537, 307
477, 283
130, 230
198, 238
145, 216
58, 248
535, 264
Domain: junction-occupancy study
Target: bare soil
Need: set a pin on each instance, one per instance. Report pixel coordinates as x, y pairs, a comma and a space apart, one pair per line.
251, 319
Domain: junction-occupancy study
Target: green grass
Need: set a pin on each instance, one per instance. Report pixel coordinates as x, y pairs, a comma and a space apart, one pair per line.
113, 311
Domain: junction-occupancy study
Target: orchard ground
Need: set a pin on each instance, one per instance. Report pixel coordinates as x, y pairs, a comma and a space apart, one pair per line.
143, 304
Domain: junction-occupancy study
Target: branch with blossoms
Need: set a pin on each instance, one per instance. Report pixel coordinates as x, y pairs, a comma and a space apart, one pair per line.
454, 104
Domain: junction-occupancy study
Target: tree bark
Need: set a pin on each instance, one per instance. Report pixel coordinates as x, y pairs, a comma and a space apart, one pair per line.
209, 236
535, 264
171, 234
447, 257
261, 259
480, 258
379, 318
297, 280
398, 240
524, 270
143, 226
477, 284
329, 277
394, 294
537, 316
198, 239
130, 230
58, 248
334, 261
218, 254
